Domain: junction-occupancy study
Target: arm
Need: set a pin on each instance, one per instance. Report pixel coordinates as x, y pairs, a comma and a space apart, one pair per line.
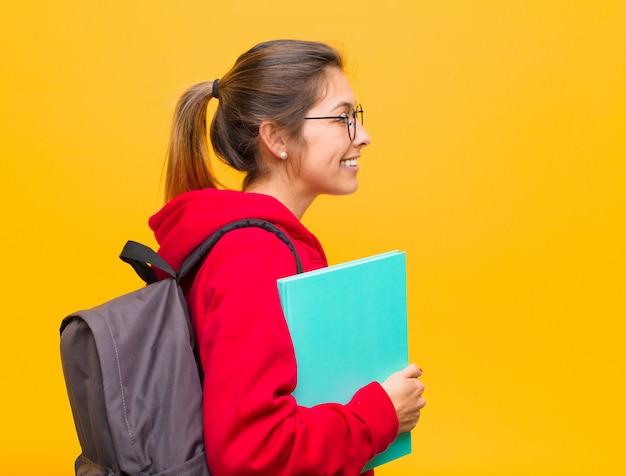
252, 423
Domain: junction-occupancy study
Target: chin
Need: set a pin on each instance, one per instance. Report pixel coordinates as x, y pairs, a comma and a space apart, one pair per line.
349, 190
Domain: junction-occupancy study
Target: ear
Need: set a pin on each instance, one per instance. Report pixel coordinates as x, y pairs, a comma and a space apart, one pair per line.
273, 138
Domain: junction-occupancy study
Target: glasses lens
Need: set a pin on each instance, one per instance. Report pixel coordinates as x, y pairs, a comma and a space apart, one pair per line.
352, 128
358, 113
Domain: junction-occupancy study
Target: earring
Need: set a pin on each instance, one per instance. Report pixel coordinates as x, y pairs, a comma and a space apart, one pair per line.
283, 155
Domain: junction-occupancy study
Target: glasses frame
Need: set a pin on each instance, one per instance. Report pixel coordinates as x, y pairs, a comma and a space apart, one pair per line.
356, 113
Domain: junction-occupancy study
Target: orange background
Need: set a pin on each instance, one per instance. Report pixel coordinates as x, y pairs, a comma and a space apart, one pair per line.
497, 163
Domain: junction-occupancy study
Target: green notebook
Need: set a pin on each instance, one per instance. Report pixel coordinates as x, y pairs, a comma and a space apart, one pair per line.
348, 323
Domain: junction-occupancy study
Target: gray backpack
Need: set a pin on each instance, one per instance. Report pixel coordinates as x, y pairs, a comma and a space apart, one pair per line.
132, 376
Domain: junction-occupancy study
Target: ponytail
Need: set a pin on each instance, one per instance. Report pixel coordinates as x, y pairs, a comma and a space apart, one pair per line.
188, 165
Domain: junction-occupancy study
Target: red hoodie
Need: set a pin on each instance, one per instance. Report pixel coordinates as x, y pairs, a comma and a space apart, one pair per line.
252, 423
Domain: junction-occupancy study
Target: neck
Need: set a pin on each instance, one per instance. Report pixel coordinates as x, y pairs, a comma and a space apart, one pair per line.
296, 203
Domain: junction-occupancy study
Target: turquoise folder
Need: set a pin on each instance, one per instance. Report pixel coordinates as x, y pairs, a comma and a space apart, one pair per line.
348, 323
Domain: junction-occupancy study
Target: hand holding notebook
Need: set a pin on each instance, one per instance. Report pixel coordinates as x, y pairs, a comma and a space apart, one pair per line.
405, 392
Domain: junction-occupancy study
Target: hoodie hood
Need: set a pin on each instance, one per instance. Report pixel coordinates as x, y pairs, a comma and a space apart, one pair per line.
187, 220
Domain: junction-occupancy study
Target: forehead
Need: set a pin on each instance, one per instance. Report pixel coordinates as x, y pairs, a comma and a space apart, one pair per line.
337, 92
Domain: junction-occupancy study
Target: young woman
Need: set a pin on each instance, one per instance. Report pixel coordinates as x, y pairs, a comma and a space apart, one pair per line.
288, 118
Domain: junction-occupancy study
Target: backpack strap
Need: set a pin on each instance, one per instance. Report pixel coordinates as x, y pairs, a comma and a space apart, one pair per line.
201, 251
143, 259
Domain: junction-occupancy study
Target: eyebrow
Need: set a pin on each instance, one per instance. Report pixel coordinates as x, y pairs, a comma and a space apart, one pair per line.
342, 105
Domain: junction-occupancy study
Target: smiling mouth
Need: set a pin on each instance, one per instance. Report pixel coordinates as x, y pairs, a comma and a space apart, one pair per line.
348, 162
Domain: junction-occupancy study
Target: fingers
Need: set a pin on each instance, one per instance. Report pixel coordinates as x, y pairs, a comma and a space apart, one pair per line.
420, 388
412, 418
421, 402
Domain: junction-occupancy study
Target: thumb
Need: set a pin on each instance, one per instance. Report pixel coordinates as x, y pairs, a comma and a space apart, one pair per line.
410, 371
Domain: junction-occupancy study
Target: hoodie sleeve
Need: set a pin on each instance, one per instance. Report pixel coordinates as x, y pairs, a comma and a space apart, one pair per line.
253, 425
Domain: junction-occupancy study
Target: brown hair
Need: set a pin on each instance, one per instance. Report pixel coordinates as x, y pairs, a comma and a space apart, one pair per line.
277, 81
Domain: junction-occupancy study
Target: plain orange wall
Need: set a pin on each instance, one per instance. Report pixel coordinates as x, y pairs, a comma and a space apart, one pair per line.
497, 163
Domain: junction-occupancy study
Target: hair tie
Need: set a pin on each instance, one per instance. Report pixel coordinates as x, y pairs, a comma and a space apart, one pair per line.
215, 95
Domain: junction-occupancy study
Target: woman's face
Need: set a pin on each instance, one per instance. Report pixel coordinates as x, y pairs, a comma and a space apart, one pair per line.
329, 161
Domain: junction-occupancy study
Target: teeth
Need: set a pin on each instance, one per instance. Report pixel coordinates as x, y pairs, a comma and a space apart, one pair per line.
348, 162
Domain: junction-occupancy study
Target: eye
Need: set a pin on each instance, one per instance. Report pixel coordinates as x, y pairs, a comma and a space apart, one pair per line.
344, 118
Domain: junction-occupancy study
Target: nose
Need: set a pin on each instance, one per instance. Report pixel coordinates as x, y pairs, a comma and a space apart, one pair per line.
362, 138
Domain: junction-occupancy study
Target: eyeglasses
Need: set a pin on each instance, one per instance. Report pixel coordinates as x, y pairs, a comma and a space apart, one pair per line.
350, 120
